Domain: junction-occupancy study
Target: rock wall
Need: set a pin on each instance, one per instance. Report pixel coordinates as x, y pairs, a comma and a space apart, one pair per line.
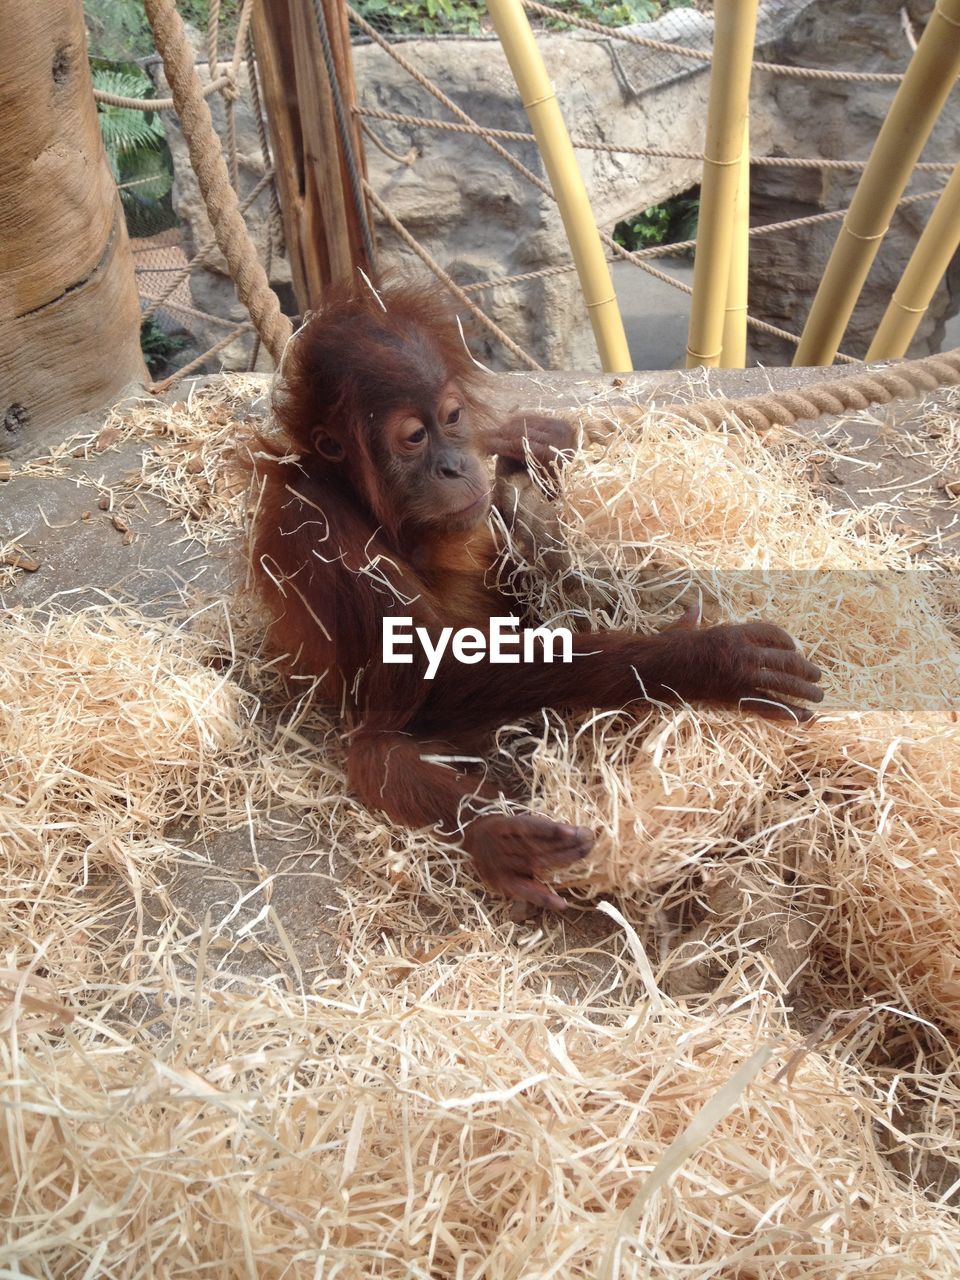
483, 220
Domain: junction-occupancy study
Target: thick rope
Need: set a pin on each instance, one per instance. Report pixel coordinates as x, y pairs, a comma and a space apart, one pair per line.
545, 273
447, 280
677, 247
850, 394
275, 235
406, 159
267, 266
223, 322
702, 55
231, 95
230, 141
836, 215
230, 118
242, 39
522, 277
154, 104
759, 326
206, 157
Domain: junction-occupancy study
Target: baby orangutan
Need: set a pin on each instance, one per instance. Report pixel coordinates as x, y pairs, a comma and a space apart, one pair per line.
385, 516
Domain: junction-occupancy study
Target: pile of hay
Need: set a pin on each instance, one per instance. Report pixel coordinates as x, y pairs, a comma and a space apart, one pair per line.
111, 729
448, 1117
867, 797
464, 1095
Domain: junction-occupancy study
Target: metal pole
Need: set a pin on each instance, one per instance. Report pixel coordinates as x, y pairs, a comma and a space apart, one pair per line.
563, 172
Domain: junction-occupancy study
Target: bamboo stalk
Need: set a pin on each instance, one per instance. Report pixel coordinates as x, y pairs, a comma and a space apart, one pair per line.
563, 172
930, 76
926, 268
734, 355
734, 34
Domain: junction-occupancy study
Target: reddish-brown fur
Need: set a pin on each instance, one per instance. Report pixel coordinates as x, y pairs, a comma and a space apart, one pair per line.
344, 537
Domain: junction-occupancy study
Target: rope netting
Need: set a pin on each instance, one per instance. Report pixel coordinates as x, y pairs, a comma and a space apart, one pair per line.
216, 164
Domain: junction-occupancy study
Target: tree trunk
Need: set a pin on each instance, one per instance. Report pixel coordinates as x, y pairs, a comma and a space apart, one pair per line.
69, 313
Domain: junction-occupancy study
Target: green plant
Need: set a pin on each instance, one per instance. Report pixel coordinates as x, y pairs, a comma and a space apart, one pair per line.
117, 30
643, 229
198, 11
159, 347
667, 223
136, 149
126, 130
684, 218
464, 16
619, 13
428, 16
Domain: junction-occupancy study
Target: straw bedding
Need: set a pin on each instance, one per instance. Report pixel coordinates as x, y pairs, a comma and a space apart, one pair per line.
747, 1071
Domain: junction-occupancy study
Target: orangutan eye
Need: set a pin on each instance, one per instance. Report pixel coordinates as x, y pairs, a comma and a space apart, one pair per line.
453, 417
418, 437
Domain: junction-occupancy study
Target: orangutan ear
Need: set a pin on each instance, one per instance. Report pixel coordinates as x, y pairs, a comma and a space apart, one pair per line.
327, 447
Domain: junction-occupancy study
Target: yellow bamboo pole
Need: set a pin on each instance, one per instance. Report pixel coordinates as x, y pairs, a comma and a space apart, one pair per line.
735, 25
928, 263
734, 355
563, 172
929, 78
